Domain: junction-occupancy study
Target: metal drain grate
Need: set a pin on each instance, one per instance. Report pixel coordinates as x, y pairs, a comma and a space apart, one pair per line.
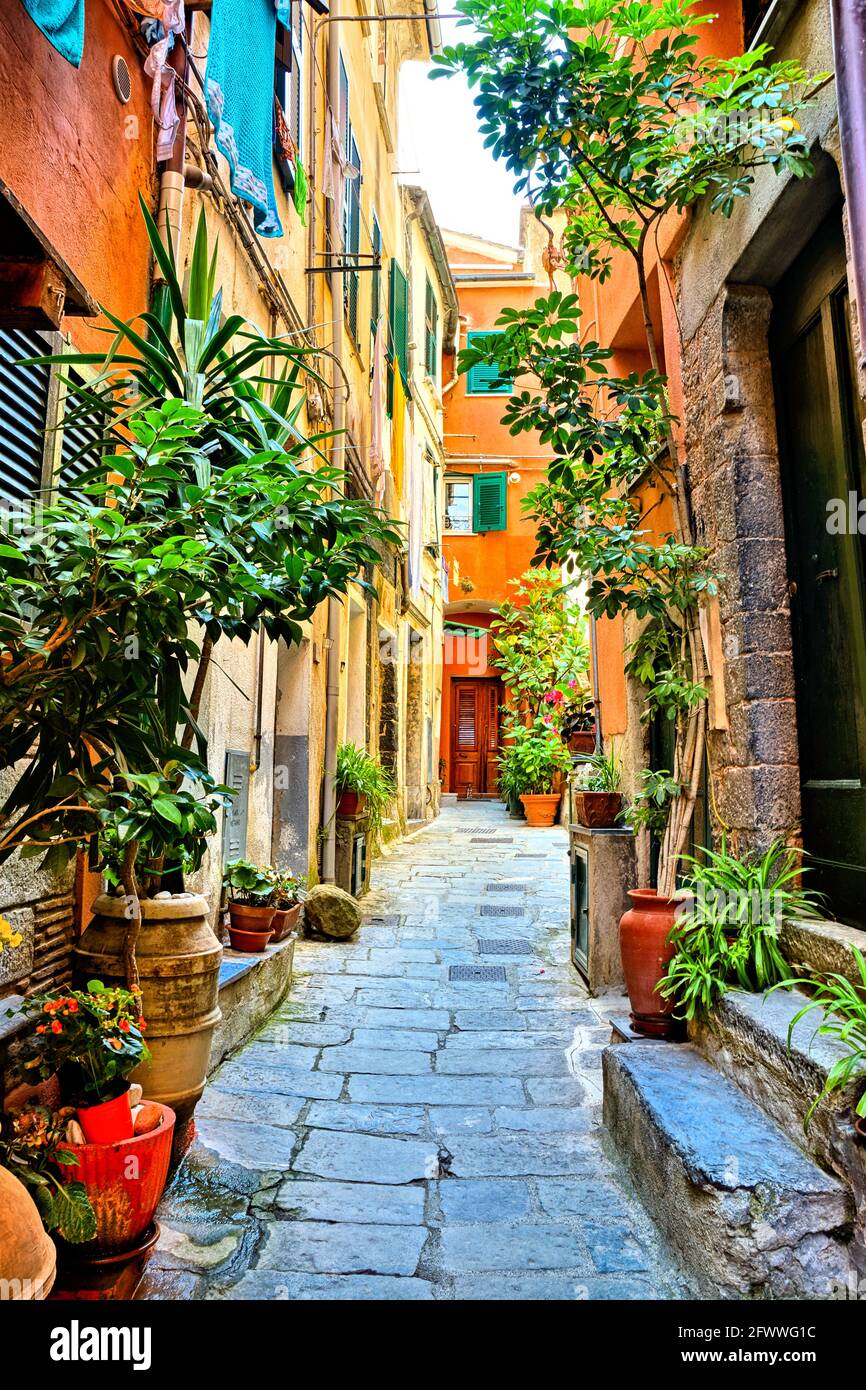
500, 910
506, 887
384, 919
477, 974
505, 946
490, 840
525, 854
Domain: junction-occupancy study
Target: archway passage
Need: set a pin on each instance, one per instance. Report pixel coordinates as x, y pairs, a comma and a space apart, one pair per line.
823, 468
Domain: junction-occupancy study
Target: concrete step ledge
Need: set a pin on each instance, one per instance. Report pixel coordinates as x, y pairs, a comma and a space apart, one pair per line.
750, 1215
821, 948
251, 987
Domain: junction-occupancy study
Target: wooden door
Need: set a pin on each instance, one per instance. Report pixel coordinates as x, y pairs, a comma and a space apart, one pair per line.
821, 440
475, 737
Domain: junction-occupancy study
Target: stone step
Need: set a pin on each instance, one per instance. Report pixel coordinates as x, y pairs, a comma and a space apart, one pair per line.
750, 1215
821, 948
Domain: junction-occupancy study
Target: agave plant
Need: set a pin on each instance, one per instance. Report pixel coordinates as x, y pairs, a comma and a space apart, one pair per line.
843, 1002
203, 512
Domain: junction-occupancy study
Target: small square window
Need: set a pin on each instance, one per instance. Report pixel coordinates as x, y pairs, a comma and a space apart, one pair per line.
458, 506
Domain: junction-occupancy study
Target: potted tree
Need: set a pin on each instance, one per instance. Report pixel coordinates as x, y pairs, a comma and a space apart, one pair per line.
597, 794
288, 900
250, 892
92, 1040
363, 785
541, 759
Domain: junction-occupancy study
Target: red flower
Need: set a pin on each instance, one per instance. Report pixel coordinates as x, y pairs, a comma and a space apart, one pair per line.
124, 1025
40, 1027
57, 1026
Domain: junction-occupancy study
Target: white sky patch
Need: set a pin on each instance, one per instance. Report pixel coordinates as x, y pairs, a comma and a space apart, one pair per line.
442, 150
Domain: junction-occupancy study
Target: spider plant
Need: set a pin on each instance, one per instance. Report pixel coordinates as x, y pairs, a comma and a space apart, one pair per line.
728, 935
357, 771
844, 1004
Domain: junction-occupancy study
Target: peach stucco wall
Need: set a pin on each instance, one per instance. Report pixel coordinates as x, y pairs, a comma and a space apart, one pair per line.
76, 158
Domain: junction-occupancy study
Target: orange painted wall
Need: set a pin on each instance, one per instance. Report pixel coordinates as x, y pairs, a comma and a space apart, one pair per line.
77, 166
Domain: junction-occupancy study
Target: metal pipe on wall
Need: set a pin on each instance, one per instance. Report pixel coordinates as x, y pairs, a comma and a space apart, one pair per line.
332, 689
849, 51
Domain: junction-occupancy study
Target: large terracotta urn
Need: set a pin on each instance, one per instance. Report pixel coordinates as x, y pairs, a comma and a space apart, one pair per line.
644, 933
28, 1258
178, 964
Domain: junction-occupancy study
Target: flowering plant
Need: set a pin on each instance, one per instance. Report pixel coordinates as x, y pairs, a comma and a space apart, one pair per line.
8, 936
32, 1148
94, 1035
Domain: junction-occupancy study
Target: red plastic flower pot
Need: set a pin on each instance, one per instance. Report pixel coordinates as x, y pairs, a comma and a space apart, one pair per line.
124, 1182
108, 1122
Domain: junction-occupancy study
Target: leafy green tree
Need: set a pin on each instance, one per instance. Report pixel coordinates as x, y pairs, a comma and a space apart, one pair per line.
606, 112
541, 645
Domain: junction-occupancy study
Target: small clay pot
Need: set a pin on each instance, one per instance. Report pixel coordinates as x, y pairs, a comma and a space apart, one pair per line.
541, 809
286, 920
351, 803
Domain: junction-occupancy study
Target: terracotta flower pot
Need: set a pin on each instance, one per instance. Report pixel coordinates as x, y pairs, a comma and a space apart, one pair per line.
860, 1126
285, 921
598, 810
178, 961
250, 928
107, 1122
351, 803
583, 742
28, 1258
124, 1182
646, 951
540, 809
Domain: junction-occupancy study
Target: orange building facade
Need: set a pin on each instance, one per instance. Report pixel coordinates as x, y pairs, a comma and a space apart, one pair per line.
488, 539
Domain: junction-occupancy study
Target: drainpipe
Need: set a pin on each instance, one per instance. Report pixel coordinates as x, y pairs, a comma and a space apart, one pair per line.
332, 696
849, 52
171, 183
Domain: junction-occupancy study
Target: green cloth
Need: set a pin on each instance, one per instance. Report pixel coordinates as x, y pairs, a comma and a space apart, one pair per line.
301, 190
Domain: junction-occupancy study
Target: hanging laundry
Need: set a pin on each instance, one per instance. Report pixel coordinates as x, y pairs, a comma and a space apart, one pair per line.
166, 21
337, 166
239, 86
286, 148
301, 190
377, 413
398, 431
62, 23
415, 508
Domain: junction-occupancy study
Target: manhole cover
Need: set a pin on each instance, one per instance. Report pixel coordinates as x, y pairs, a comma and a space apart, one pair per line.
476, 974
506, 887
505, 946
489, 840
500, 910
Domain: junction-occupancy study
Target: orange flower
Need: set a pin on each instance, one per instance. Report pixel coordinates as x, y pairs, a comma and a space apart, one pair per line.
57, 1026
115, 1043
124, 1025
40, 1027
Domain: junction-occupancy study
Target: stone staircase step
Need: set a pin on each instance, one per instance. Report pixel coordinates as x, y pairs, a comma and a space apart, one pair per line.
821, 948
750, 1215
746, 1037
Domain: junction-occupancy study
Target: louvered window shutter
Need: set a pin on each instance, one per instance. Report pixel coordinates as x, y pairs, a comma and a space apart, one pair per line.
431, 326
24, 399
352, 278
484, 379
235, 821
79, 451
399, 319
376, 277
488, 509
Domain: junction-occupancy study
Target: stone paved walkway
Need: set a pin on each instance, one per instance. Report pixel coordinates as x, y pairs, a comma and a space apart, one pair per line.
397, 1133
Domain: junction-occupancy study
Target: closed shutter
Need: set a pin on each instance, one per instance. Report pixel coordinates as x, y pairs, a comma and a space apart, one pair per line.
488, 502
236, 813
352, 240
466, 728
398, 321
24, 398
79, 451
431, 332
376, 277
485, 379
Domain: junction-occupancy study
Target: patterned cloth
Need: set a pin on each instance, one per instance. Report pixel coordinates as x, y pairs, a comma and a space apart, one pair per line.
62, 23
239, 88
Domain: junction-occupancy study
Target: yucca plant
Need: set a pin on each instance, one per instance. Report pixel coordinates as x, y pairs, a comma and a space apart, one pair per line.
844, 1004
728, 933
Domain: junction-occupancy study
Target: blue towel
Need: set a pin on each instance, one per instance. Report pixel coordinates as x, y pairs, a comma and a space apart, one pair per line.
239, 84
62, 23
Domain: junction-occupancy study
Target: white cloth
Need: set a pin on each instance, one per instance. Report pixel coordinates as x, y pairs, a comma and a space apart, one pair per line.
163, 95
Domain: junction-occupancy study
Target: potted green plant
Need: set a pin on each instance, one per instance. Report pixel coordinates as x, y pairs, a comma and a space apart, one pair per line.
92, 1039
288, 900
511, 782
364, 787
597, 794
541, 759
250, 892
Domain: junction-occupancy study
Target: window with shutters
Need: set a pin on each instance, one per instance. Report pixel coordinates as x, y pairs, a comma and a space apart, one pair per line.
25, 403
375, 277
398, 325
485, 379
458, 506
431, 333
288, 89
352, 239
489, 507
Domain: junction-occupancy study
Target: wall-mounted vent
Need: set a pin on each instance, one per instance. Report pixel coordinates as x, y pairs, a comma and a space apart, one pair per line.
121, 79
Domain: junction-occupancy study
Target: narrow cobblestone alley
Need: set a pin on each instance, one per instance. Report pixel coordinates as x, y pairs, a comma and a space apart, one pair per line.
396, 1131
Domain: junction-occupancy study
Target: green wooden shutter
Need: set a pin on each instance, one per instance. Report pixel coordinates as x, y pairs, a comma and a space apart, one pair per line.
488, 502
376, 276
431, 331
398, 324
484, 379
352, 245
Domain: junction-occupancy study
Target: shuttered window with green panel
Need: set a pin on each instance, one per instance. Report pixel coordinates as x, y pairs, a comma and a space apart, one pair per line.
485, 379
